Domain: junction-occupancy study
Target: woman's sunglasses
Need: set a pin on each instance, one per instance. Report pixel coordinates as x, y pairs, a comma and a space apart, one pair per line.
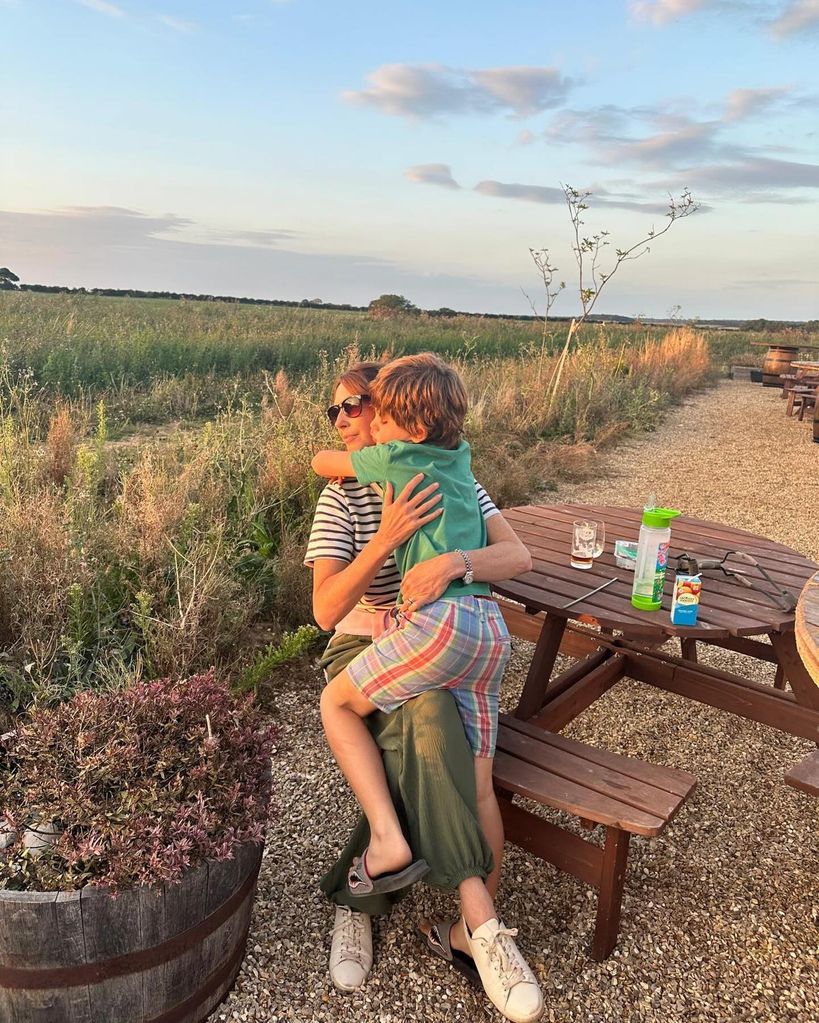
352, 407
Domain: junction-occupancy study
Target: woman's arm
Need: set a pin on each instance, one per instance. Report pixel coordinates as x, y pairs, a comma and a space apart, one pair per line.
504, 556
339, 585
332, 464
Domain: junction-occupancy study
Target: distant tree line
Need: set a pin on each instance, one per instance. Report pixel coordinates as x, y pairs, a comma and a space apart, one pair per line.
385, 306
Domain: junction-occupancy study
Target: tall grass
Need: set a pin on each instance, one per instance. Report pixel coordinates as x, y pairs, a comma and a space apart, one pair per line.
130, 558
75, 344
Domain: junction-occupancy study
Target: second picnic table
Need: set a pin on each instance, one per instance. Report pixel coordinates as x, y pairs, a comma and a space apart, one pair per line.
613, 640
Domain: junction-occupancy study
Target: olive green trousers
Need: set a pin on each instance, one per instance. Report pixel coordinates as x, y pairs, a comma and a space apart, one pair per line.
431, 774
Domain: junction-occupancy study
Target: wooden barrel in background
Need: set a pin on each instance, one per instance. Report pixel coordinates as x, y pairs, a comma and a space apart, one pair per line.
777, 361
146, 956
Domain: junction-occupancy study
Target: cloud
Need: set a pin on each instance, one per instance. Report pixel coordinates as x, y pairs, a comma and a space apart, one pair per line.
556, 196
680, 144
427, 90
114, 247
432, 174
118, 227
525, 137
743, 103
103, 7
661, 12
528, 193
798, 16
760, 172
526, 90
794, 15
177, 24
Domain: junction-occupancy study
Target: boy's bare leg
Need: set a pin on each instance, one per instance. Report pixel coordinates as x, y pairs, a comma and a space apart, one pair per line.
342, 711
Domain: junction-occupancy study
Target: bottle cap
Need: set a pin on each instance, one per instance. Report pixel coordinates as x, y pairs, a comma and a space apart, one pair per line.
659, 518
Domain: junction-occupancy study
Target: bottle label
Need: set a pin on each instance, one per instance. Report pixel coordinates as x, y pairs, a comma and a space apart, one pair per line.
659, 572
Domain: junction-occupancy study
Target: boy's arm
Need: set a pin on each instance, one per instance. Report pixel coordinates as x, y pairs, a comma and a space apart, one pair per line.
331, 464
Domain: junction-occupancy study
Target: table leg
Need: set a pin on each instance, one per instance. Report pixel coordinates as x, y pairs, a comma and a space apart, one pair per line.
540, 670
804, 688
688, 649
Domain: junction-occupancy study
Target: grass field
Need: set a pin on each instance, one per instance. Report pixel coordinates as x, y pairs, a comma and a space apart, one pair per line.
132, 550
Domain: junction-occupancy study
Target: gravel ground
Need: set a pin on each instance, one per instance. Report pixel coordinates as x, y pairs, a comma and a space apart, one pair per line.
720, 912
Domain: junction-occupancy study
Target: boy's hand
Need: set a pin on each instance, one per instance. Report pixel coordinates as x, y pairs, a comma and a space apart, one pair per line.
402, 515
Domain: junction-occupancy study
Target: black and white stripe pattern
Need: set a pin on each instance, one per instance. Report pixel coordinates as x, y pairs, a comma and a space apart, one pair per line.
347, 518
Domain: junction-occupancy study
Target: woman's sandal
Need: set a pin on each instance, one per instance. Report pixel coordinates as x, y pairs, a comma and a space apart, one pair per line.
437, 941
360, 883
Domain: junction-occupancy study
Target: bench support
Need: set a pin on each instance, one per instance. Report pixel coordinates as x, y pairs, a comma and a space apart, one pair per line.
603, 869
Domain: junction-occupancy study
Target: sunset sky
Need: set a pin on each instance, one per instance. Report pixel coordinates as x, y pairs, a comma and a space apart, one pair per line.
316, 149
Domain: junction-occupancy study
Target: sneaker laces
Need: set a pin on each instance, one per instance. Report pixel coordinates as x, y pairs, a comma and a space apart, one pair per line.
507, 957
350, 928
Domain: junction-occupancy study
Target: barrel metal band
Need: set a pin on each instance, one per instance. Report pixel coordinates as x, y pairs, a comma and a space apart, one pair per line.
17, 978
222, 973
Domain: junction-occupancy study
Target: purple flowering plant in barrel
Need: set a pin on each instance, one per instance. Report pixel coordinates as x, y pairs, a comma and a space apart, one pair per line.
132, 788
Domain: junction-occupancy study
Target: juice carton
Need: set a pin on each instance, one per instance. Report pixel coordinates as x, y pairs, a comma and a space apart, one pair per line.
685, 600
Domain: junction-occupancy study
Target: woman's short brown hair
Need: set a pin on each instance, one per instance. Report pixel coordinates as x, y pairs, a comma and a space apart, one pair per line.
358, 377
422, 391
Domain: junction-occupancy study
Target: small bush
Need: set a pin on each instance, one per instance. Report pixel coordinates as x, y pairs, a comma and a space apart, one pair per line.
140, 784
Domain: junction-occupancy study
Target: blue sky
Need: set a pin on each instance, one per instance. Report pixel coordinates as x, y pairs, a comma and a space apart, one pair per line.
309, 149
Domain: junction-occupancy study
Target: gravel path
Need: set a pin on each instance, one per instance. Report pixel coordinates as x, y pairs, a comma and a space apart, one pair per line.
720, 912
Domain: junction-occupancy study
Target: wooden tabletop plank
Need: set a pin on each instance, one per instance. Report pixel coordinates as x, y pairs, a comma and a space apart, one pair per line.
807, 627
535, 783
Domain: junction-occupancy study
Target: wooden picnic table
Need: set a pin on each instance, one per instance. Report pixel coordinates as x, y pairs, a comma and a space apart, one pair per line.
613, 640
730, 616
806, 367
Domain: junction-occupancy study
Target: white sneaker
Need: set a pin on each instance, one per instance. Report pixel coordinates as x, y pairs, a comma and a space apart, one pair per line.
507, 980
351, 953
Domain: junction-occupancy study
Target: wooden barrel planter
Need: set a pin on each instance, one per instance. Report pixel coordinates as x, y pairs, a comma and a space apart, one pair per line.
777, 361
146, 956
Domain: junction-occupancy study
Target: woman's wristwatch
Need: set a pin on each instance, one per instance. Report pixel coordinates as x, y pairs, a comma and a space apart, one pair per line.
469, 575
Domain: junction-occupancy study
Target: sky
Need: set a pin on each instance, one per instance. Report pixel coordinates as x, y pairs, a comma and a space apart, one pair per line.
298, 149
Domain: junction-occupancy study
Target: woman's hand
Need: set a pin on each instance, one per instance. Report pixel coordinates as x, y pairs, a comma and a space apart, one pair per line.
427, 580
403, 515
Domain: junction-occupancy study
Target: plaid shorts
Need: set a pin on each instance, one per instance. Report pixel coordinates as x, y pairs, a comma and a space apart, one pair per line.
461, 644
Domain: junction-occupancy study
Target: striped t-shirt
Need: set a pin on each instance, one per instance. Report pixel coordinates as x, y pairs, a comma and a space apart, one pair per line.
347, 518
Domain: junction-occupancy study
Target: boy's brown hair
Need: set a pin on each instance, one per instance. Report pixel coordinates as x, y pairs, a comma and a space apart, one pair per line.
422, 391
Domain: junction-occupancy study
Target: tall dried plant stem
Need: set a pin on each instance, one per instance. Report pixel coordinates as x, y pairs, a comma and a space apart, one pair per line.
554, 383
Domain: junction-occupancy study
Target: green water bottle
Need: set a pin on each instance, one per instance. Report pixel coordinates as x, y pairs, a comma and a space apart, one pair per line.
652, 558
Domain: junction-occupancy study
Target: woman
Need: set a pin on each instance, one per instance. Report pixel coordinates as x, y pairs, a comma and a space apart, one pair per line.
429, 764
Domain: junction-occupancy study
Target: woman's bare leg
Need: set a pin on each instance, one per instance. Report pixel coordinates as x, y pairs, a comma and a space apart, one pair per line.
477, 897
342, 711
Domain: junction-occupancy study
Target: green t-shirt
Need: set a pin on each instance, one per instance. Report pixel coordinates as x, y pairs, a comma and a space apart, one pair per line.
460, 526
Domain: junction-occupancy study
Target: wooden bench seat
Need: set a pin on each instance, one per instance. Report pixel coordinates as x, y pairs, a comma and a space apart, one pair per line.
805, 774
625, 795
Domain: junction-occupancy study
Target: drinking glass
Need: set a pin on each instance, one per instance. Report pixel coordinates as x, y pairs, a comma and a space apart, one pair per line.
584, 534
600, 539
